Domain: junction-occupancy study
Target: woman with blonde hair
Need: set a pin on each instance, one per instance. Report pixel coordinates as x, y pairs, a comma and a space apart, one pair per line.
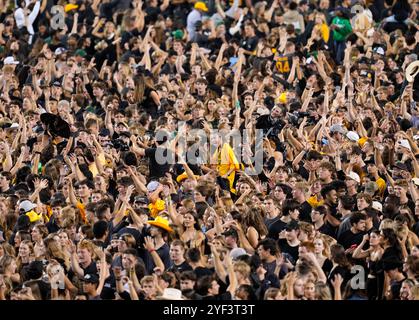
55, 251
8, 268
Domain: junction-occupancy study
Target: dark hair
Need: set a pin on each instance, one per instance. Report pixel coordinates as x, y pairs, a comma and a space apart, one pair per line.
188, 275
347, 202
250, 292
193, 255
269, 245
356, 217
99, 229
289, 205
326, 189
204, 284
337, 254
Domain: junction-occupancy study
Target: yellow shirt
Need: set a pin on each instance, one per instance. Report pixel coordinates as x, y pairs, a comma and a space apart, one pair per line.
227, 161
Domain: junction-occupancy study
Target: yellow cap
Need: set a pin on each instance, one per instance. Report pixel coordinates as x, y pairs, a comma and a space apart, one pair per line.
201, 6
70, 6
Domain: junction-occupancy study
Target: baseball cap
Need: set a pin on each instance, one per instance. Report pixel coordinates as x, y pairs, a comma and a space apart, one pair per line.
152, 186
91, 278
26, 206
353, 136
60, 50
140, 199
354, 176
379, 50
405, 144
377, 206
200, 5
80, 52
10, 60
237, 252
56, 84
178, 34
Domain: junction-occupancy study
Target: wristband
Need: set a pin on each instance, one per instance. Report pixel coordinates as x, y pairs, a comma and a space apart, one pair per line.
151, 250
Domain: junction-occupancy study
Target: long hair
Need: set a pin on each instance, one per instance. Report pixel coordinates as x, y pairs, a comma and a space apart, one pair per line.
19, 259
338, 255
254, 219
54, 251
322, 291
141, 83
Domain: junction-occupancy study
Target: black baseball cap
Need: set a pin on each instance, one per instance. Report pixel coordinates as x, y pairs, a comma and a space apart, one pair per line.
91, 278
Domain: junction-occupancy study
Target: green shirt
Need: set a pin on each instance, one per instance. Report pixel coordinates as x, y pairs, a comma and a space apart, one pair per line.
344, 28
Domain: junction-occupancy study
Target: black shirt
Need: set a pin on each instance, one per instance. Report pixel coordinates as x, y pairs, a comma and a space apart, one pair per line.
285, 247
275, 226
305, 212
249, 44
348, 238
158, 170
184, 266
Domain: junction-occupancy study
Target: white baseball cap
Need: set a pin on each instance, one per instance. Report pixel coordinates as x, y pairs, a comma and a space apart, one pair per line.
10, 60
354, 176
377, 206
352, 135
405, 144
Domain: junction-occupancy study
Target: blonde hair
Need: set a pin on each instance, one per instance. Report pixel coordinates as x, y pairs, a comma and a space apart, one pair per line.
243, 268
322, 291
146, 279
386, 224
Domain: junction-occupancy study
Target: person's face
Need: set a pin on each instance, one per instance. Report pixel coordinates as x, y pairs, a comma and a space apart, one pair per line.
324, 174
187, 284
415, 252
276, 112
63, 238
243, 188
374, 239
128, 261
248, 99
24, 250
405, 291
309, 291
360, 226
35, 234
88, 287
316, 216
318, 246
83, 191
294, 214
215, 288
18, 240
84, 255
149, 289
176, 253
249, 31
291, 235
188, 220
299, 288
281, 175
96, 197
332, 197
399, 191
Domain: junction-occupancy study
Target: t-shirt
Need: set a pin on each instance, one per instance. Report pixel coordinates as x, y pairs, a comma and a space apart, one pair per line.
158, 166
305, 212
348, 238
275, 226
249, 44
286, 248
184, 266
219, 297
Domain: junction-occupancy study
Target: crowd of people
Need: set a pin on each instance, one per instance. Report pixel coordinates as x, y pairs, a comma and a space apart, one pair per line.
122, 179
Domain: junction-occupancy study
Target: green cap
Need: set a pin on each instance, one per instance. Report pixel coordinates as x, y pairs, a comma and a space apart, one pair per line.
80, 52
178, 34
